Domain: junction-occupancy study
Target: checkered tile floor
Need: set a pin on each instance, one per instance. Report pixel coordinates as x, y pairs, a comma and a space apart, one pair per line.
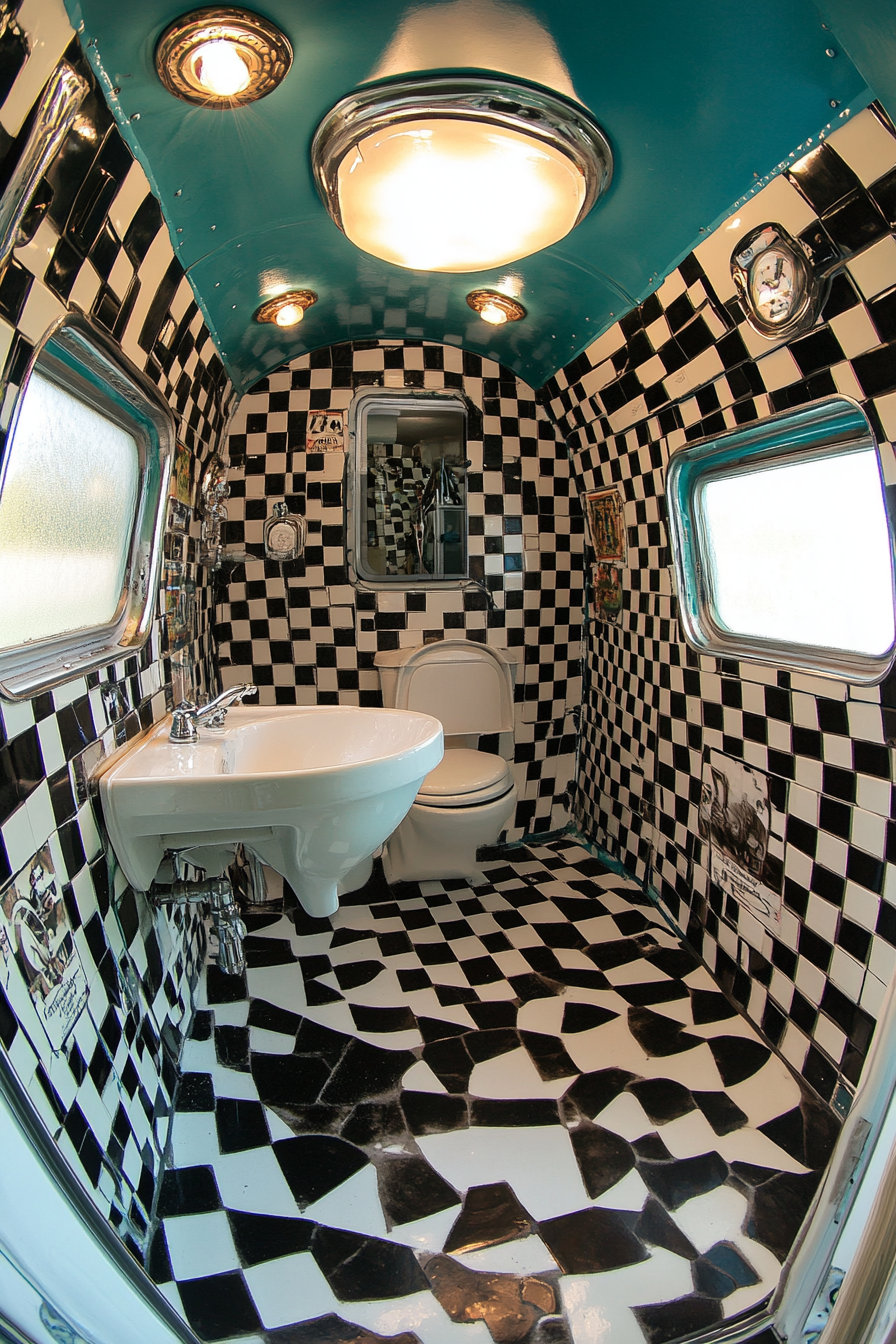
498, 1112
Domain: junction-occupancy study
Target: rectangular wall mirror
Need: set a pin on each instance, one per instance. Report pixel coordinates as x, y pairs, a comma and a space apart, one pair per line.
410, 488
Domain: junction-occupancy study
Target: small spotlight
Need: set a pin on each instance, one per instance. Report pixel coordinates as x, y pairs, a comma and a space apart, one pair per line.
286, 310
222, 57
495, 308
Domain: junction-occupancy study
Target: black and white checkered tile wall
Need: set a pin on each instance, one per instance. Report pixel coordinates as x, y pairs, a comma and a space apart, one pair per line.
309, 634
94, 240
682, 366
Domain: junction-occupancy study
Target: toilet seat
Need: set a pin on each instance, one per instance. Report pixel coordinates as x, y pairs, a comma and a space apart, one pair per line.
465, 778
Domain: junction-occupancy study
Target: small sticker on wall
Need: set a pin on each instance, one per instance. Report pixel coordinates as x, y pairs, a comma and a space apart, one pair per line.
605, 523
35, 934
325, 432
735, 818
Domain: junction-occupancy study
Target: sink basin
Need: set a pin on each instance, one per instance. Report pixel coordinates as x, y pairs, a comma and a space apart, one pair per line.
313, 791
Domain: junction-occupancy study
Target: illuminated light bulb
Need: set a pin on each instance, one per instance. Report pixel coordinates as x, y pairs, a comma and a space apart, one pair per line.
289, 315
220, 69
286, 310
454, 196
493, 314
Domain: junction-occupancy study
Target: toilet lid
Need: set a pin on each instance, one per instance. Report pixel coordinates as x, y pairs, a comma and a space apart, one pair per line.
463, 773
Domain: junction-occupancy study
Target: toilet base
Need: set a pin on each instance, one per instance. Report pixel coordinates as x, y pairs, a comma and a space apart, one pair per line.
438, 842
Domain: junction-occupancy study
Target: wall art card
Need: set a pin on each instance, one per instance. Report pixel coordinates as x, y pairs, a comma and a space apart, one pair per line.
35, 934
181, 482
735, 818
607, 603
325, 432
604, 509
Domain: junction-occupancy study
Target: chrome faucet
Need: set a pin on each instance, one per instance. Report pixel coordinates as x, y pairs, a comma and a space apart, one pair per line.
189, 718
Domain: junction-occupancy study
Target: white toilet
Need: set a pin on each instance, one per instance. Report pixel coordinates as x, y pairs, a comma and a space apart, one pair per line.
468, 799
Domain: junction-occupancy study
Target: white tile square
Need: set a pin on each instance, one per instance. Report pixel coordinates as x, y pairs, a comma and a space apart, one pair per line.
200, 1244
290, 1289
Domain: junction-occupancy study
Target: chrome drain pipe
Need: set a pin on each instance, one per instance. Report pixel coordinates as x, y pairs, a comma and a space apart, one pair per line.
217, 894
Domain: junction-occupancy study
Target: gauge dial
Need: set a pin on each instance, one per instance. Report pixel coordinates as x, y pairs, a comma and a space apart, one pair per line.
775, 286
775, 282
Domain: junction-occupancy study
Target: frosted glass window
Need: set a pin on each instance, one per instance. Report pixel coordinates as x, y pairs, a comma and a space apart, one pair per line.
801, 553
66, 517
782, 544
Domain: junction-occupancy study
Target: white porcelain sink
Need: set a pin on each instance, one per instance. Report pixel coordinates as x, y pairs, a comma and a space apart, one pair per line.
313, 791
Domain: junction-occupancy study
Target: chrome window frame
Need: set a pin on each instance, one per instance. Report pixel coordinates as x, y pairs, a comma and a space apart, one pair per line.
831, 426
80, 358
372, 399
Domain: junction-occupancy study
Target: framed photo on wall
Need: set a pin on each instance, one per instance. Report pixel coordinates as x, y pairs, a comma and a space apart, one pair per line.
605, 522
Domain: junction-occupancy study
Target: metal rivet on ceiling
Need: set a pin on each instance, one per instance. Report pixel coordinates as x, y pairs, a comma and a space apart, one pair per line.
829, 51
179, 191
135, 116
835, 102
214, 226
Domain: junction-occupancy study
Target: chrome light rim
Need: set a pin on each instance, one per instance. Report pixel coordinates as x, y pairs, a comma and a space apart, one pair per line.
494, 100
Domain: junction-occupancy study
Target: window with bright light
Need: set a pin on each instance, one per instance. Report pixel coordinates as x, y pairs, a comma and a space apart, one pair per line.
782, 544
82, 493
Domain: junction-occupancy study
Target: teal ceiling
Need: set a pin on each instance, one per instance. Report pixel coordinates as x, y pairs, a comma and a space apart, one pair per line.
700, 101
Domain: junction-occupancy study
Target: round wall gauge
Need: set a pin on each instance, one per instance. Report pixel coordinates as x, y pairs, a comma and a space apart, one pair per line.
776, 285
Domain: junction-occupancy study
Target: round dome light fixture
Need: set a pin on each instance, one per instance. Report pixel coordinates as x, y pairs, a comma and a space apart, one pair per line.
222, 57
495, 308
286, 310
458, 173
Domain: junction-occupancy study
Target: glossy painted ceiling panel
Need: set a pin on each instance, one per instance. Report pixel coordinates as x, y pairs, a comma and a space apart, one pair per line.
700, 101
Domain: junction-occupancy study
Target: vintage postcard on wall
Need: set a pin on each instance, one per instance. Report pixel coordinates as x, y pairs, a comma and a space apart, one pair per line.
607, 587
325, 432
735, 818
35, 934
605, 522
181, 483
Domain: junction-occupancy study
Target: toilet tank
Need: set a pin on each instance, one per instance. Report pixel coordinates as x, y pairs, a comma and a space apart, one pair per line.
469, 687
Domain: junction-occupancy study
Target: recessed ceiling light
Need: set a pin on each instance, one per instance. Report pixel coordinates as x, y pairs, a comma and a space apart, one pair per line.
495, 308
286, 310
222, 57
463, 173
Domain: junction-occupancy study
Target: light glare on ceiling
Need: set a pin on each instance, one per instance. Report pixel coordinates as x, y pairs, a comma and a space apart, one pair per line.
458, 174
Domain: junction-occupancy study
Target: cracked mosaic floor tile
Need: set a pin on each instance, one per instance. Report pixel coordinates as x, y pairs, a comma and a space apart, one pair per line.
332, 1329
367, 1269
662, 1099
287, 1290
550, 1038
315, 1164
491, 1214
260, 1237
508, 1305
602, 1156
668, 1321
284, 1080
217, 1306
593, 1240
354, 1205
410, 1189
682, 1179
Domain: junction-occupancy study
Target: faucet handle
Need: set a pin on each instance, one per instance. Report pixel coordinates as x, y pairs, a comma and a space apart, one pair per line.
183, 723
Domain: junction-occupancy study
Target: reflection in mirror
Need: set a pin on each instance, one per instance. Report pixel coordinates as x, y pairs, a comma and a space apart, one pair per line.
411, 488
